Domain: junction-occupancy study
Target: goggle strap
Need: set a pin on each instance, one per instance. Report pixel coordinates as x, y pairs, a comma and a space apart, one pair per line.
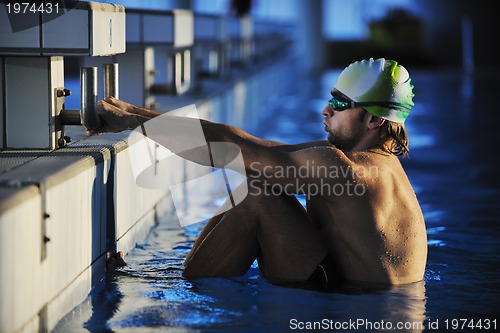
389, 105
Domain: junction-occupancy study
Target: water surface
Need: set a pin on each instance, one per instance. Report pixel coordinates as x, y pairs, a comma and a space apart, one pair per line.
453, 167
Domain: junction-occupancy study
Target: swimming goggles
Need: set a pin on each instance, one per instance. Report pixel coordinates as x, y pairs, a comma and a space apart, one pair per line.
339, 105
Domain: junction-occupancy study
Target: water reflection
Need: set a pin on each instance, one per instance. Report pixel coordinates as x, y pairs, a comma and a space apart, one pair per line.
276, 308
150, 295
112, 297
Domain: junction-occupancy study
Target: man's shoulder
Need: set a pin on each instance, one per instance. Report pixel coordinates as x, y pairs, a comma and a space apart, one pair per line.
325, 152
380, 164
375, 156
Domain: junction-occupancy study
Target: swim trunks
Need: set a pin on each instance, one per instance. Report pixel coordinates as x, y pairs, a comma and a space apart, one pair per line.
325, 273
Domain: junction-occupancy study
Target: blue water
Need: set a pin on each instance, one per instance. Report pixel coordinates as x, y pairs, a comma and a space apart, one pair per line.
453, 167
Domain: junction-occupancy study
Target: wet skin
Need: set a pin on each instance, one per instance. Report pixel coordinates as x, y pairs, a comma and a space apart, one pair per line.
376, 235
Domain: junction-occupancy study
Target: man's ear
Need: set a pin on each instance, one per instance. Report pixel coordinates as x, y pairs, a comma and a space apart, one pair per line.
375, 122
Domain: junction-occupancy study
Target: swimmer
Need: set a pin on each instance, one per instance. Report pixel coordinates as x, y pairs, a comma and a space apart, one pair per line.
362, 222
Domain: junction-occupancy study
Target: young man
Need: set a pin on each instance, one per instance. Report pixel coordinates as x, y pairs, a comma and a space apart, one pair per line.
363, 222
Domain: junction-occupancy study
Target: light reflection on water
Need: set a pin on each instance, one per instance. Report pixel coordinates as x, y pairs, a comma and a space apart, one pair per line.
150, 295
454, 172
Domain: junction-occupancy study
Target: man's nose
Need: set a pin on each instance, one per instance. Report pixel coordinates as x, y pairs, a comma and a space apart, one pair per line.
327, 112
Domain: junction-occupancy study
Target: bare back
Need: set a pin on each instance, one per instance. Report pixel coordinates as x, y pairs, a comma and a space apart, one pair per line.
376, 231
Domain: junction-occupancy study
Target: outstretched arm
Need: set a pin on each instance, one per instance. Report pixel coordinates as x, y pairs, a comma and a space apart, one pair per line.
119, 116
176, 133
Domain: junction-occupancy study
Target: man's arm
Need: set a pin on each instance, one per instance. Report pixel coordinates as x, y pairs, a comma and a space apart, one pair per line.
280, 145
122, 115
304, 145
182, 136
294, 168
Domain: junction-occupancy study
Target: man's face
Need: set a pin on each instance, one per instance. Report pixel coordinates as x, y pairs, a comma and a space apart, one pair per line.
344, 128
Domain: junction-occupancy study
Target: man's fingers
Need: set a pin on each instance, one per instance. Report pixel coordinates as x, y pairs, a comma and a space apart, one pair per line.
106, 128
115, 119
93, 132
124, 106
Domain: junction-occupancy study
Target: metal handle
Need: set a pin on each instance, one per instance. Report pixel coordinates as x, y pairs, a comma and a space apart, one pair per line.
111, 80
88, 93
182, 72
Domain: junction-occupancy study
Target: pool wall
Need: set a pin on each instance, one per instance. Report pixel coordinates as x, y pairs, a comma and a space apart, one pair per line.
61, 211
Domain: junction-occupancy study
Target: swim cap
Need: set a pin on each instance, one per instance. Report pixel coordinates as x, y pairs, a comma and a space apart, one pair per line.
379, 81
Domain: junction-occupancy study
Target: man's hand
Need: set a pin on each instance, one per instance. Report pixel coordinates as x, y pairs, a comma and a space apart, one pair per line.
118, 116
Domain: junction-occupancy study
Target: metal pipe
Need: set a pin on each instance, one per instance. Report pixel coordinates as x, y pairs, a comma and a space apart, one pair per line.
70, 117
88, 94
111, 80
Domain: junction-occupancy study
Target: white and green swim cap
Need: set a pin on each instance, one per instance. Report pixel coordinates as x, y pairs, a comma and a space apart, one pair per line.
382, 82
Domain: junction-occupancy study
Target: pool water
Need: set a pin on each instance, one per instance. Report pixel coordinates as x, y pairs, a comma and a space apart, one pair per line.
453, 166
